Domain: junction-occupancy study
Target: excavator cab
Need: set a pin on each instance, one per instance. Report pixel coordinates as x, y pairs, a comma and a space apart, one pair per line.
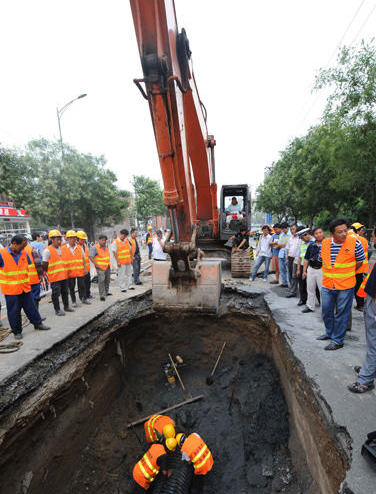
235, 210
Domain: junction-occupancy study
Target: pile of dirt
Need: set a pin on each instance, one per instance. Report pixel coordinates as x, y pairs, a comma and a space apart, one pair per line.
249, 442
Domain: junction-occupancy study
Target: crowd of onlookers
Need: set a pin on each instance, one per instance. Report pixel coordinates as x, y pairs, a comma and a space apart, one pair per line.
331, 271
65, 266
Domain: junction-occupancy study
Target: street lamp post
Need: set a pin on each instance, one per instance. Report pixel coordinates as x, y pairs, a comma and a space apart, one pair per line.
59, 113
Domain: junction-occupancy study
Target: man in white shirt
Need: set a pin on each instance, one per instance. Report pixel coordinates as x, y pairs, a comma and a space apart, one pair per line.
293, 252
233, 209
158, 243
263, 253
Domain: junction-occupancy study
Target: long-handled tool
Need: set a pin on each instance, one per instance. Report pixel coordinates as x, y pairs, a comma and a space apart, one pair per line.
176, 372
209, 379
161, 412
234, 387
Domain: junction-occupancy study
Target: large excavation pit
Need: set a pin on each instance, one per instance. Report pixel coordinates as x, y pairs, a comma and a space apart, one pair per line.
66, 431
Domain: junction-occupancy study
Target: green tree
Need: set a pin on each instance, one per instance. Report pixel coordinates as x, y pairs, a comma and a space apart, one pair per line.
148, 198
351, 105
81, 189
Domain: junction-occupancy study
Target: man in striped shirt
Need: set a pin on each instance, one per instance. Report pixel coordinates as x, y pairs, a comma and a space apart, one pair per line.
341, 256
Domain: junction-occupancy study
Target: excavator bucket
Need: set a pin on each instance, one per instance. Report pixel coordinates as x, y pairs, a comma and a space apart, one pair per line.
201, 294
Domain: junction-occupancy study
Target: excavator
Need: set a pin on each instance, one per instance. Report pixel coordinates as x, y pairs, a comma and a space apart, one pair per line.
199, 229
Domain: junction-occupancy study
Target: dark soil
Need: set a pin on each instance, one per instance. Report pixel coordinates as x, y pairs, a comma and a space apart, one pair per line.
249, 443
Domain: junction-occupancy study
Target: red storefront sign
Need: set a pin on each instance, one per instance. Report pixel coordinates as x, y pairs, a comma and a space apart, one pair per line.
13, 212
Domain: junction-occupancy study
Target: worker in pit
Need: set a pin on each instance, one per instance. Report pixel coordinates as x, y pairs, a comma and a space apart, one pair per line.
196, 452
159, 427
148, 467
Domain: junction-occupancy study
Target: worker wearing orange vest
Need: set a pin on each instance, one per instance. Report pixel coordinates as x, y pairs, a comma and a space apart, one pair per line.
35, 273
136, 252
121, 248
196, 453
54, 266
74, 260
15, 286
82, 241
148, 467
149, 240
159, 427
341, 255
99, 255
359, 229
367, 372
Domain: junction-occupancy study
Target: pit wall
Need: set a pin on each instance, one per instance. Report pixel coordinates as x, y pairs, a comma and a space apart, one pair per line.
44, 424
325, 445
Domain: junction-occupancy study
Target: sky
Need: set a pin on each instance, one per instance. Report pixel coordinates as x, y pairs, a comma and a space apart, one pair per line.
255, 64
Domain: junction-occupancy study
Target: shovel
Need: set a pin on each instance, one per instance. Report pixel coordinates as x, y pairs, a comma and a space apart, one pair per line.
209, 379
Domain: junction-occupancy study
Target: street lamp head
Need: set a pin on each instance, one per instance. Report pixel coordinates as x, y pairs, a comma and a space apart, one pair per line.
82, 96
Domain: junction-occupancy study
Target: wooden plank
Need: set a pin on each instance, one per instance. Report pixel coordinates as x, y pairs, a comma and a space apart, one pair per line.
182, 403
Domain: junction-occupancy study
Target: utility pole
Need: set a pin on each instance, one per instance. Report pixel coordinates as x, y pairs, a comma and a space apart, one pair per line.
59, 113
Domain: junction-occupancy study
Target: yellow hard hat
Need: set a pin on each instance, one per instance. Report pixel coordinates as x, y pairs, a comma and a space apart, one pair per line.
81, 234
149, 228
357, 226
169, 431
180, 438
171, 443
54, 233
71, 233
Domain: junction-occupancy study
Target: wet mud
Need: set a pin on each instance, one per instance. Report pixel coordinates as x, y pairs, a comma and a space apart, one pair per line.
249, 441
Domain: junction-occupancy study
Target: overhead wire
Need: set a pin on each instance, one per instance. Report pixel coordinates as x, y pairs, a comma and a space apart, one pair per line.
364, 23
355, 15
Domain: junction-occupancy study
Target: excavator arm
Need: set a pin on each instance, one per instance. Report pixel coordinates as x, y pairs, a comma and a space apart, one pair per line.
185, 150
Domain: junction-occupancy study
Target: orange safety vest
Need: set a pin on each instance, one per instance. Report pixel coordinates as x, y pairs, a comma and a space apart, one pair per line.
73, 263
102, 257
341, 276
87, 262
150, 239
133, 245
199, 453
56, 266
364, 267
361, 292
155, 425
33, 274
14, 278
123, 251
145, 470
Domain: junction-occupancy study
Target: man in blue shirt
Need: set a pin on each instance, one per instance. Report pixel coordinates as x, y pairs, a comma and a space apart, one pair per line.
367, 373
275, 252
37, 243
282, 255
24, 300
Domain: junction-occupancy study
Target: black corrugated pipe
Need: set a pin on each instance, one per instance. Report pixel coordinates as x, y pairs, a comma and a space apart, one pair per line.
180, 480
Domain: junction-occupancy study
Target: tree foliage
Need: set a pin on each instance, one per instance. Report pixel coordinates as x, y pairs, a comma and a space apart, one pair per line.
148, 198
332, 169
57, 191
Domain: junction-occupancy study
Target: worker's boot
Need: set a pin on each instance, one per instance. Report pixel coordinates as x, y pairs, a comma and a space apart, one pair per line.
41, 327
85, 301
37, 305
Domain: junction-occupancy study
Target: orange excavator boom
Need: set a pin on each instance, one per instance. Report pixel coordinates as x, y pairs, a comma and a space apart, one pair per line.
185, 150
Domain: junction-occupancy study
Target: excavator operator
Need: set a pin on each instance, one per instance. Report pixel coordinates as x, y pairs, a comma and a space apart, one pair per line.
233, 211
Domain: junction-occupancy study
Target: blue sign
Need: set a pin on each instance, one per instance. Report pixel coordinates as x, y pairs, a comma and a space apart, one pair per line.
269, 218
